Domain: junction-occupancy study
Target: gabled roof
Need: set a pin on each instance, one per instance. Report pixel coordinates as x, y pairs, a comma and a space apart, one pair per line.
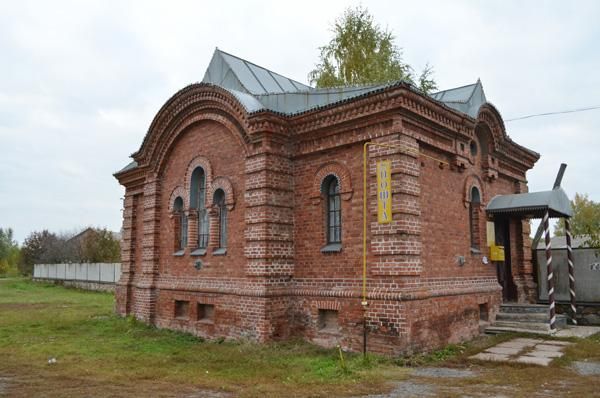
466, 99
260, 89
257, 88
235, 73
532, 204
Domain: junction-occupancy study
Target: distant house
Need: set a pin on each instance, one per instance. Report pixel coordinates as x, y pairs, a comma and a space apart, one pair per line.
75, 245
81, 236
243, 212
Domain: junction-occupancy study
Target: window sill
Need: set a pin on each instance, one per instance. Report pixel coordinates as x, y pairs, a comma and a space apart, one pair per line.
198, 252
179, 253
332, 248
205, 321
220, 252
475, 251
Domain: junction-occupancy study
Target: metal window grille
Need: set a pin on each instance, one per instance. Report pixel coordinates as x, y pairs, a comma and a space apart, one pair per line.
183, 233
219, 200
474, 217
203, 230
334, 212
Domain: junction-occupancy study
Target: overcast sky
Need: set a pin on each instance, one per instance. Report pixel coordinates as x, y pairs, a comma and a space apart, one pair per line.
81, 81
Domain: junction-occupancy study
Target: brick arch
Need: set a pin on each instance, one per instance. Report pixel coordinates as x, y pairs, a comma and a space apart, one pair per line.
197, 97
199, 115
337, 170
181, 192
224, 184
198, 161
470, 182
489, 116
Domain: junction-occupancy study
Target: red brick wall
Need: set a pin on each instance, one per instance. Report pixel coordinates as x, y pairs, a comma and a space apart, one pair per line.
309, 217
274, 280
213, 141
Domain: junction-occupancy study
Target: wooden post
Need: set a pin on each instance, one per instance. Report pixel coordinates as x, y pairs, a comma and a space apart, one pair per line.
550, 273
571, 271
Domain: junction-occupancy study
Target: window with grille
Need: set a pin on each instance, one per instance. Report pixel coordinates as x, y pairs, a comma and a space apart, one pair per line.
198, 200
219, 201
334, 211
180, 224
474, 217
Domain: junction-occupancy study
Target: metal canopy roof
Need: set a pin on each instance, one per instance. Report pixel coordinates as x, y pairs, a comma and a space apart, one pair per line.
532, 204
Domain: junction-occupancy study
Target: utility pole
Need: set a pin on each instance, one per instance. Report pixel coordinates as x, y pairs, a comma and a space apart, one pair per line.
540, 230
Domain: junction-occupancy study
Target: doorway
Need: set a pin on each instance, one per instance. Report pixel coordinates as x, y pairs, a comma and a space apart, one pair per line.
504, 268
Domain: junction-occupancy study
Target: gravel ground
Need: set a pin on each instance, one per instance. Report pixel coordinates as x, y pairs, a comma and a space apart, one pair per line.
408, 389
443, 372
587, 368
4, 383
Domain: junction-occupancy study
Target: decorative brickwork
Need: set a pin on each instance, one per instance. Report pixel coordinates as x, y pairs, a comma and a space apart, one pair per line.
224, 184
273, 280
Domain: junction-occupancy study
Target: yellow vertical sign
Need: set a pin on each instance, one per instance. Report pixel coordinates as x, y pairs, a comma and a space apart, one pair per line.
384, 191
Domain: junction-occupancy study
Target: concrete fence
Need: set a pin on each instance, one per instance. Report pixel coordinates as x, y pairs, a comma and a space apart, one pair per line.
90, 276
586, 263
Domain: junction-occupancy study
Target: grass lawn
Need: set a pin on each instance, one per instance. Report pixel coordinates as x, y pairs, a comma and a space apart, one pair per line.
101, 355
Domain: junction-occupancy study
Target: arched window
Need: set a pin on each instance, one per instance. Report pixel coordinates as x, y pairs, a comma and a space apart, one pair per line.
333, 215
180, 224
219, 202
198, 202
474, 205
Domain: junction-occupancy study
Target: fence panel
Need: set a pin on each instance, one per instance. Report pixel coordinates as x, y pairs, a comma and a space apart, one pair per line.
86, 272
587, 275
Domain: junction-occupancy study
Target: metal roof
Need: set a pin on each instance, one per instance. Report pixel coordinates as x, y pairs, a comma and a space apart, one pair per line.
532, 204
258, 88
130, 166
231, 72
302, 101
466, 99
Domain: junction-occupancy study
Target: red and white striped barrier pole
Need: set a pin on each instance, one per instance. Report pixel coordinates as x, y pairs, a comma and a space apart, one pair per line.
571, 271
550, 273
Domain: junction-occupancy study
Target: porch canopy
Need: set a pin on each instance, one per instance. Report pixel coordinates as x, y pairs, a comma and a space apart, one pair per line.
532, 204
545, 204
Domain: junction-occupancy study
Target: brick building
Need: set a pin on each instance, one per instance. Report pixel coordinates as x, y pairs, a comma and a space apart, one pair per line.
243, 212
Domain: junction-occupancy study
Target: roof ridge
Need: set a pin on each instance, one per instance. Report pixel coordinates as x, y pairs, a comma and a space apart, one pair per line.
322, 90
261, 67
457, 88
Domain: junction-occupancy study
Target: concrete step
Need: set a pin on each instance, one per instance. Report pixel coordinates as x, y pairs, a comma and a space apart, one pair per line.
561, 319
522, 317
540, 326
498, 329
524, 308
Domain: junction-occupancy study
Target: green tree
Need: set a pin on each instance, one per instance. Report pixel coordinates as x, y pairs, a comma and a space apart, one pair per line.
361, 52
9, 252
585, 221
40, 247
100, 246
